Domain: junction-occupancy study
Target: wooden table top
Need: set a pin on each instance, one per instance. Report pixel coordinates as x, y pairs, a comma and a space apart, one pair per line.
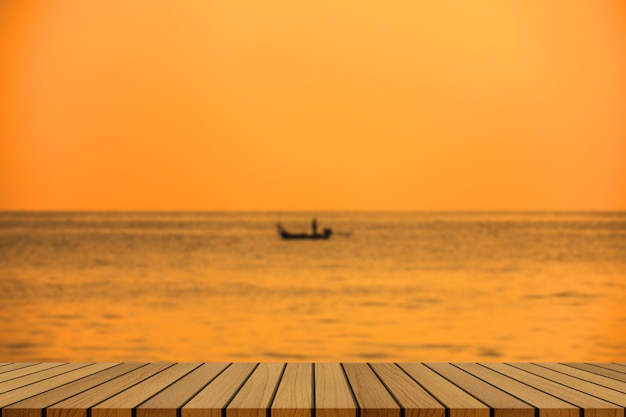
312, 389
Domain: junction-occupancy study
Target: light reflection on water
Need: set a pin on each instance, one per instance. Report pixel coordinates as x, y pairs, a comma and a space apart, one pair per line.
401, 287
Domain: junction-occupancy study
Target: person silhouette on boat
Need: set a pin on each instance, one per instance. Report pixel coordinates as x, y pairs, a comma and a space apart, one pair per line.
314, 226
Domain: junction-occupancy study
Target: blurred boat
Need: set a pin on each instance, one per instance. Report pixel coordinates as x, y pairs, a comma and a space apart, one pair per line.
293, 236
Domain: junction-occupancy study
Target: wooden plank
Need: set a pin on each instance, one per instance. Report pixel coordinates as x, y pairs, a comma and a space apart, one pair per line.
214, 397
590, 388
294, 397
413, 398
77, 405
122, 404
167, 402
295, 389
373, 398
78, 371
458, 402
598, 370
253, 399
593, 407
548, 405
16, 366
32, 407
612, 366
502, 404
333, 395
41, 371
587, 376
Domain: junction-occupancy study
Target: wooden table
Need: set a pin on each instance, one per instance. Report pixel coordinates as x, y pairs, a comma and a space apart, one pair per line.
312, 389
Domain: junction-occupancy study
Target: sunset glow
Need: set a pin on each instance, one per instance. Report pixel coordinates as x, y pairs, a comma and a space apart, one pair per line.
325, 105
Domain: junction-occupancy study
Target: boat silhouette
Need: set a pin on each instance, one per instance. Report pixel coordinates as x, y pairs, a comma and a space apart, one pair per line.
288, 236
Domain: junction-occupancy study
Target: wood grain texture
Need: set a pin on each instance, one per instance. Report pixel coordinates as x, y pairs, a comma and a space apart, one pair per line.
167, 402
412, 398
593, 407
41, 372
210, 401
503, 404
548, 405
458, 402
294, 397
599, 370
122, 404
590, 388
306, 389
586, 376
77, 405
613, 366
14, 366
254, 398
73, 372
333, 396
372, 396
33, 406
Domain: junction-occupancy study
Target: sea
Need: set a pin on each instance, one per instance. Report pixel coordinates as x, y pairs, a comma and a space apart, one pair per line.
387, 286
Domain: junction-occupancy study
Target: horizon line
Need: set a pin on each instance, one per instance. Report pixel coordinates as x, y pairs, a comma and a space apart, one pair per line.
577, 210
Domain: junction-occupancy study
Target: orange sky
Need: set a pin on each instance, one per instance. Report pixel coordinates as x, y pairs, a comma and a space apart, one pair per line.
320, 105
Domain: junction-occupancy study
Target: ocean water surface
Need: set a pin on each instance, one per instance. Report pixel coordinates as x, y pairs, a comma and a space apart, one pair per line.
386, 287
